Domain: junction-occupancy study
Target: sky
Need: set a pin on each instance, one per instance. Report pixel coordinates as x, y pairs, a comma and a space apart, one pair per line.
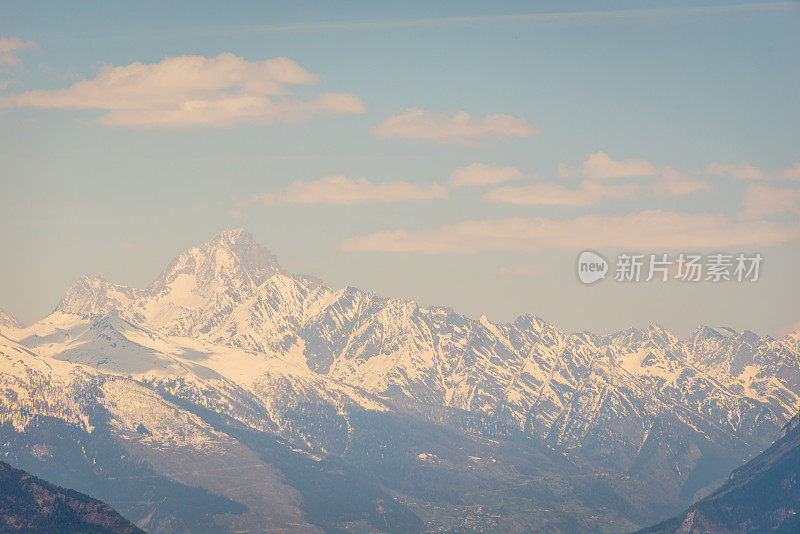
460, 154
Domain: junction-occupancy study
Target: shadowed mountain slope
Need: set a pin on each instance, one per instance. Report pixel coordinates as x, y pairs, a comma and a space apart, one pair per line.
761, 496
28, 504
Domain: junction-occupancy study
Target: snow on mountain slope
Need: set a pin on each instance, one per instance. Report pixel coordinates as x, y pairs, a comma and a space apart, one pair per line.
32, 386
761, 368
225, 338
8, 321
237, 383
203, 286
226, 327
95, 296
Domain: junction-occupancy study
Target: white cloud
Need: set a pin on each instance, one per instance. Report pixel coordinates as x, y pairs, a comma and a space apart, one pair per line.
788, 174
743, 171
600, 166
544, 194
459, 129
672, 183
667, 181
762, 199
8, 48
647, 230
190, 91
479, 174
340, 190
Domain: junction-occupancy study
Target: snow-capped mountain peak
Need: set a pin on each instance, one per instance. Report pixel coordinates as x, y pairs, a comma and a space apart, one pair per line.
719, 333
94, 295
197, 292
654, 335
8, 321
231, 260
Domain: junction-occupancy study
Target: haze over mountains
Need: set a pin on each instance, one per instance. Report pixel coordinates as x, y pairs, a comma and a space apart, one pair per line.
230, 394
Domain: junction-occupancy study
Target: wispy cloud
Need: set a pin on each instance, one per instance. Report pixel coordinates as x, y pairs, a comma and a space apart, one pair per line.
9, 46
458, 129
479, 174
562, 17
742, 171
600, 166
588, 193
645, 230
745, 171
666, 181
672, 183
341, 191
190, 91
788, 174
761, 199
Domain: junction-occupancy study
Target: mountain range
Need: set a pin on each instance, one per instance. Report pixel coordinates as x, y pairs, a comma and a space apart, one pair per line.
230, 394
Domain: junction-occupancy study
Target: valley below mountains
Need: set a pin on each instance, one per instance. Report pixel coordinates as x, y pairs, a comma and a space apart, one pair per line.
231, 395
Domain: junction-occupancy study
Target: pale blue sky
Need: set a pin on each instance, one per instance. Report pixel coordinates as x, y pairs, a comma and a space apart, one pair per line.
678, 84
